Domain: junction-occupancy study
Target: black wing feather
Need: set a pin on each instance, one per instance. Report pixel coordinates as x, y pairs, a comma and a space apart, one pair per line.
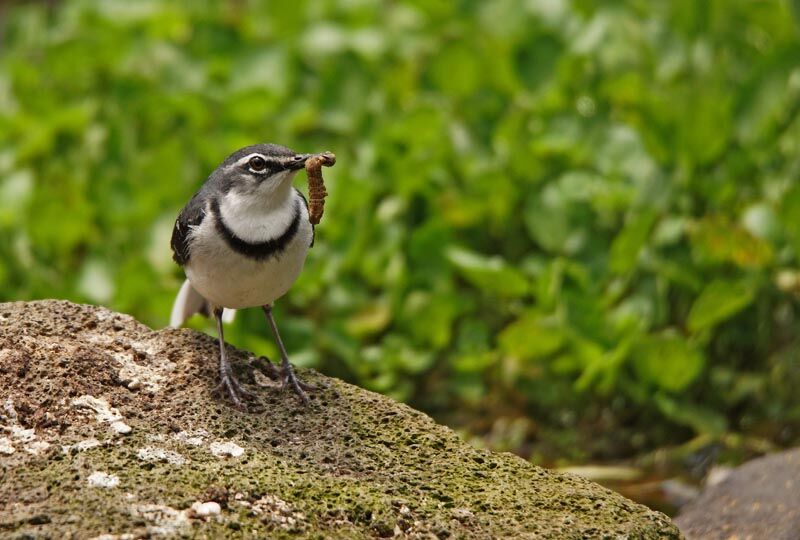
191, 216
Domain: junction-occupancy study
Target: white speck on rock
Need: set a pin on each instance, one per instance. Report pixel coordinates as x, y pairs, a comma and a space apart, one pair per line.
205, 509
165, 520
103, 480
192, 438
11, 411
137, 376
103, 314
148, 349
104, 412
227, 448
37, 447
23, 435
151, 453
81, 446
121, 427
461, 514
5, 446
278, 511
26, 438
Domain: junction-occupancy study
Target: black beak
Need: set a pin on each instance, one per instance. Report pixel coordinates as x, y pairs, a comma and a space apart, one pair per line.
298, 161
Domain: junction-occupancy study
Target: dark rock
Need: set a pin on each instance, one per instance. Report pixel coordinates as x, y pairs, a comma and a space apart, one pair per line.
758, 500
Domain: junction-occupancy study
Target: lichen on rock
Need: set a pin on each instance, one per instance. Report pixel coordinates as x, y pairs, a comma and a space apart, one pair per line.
352, 464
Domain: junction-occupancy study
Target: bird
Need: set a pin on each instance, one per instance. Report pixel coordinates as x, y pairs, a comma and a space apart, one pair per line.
242, 241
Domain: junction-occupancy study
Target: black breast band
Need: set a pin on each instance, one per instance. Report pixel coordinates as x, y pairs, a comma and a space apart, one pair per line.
257, 250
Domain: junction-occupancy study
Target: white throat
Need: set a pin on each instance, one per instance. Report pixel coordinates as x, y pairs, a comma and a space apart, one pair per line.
256, 217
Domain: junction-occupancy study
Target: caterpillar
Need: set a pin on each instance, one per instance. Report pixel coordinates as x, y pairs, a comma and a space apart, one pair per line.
316, 185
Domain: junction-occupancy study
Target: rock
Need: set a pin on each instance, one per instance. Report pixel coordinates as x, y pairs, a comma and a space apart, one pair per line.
352, 464
205, 509
757, 500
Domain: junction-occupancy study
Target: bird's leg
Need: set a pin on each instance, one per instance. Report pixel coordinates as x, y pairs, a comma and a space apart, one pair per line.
228, 380
287, 371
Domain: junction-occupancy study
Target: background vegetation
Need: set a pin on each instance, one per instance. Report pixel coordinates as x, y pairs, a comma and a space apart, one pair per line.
567, 227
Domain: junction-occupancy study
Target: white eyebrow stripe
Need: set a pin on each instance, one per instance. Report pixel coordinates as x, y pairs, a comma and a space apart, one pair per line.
248, 157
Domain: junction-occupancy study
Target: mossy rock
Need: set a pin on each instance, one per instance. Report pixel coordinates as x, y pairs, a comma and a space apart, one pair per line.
113, 430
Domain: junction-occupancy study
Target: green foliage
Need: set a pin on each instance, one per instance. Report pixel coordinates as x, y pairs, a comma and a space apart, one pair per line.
667, 361
718, 302
557, 209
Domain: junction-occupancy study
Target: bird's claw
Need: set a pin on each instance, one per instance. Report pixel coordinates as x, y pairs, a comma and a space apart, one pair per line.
285, 374
236, 393
290, 380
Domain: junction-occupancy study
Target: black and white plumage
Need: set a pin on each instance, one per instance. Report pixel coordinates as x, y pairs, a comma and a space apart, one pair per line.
242, 241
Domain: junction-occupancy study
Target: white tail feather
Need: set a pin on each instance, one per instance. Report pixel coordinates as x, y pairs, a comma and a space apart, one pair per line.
228, 315
188, 302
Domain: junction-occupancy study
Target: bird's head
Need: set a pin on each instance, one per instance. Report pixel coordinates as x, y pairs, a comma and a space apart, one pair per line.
260, 170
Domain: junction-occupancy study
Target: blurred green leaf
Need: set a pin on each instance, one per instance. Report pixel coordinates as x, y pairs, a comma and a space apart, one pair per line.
491, 274
667, 361
719, 300
531, 337
630, 241
372, 319
717, 239
555, 220
429, 318
456, 69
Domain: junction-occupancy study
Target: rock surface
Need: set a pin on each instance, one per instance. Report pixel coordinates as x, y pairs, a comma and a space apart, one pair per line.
112, 430
757, 500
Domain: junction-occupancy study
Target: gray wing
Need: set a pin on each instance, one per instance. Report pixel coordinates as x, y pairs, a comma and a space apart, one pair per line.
191, 215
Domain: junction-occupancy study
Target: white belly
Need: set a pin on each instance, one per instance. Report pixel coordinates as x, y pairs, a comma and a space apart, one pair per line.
228, 279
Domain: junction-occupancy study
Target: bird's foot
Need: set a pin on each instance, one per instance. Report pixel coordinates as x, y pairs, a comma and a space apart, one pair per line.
285, 374
299, 387
238, 395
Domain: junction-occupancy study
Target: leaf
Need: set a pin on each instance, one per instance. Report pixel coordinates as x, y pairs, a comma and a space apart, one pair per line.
429, 317
555, 220
492, 274
600, 366
531, 337
720, 300
456, 70
629, 242
667, 360
372, 319
704, 123
718, 239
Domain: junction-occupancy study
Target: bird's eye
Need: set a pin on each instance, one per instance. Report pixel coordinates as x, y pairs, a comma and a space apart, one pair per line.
257, 163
